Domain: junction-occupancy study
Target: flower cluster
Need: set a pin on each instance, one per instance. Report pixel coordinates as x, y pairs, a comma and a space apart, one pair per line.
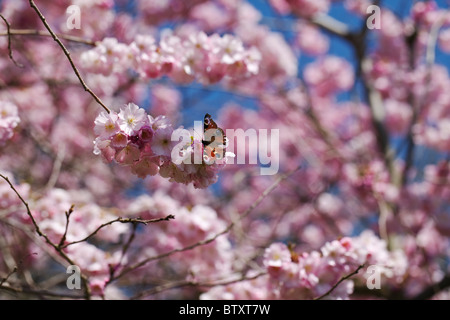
200, 57
310, 40
370, 181
329, 75
157, 11
312, 274
137, 140
9, 119
303, 8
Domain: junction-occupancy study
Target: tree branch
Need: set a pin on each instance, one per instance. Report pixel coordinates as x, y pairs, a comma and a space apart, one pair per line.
44, 293
42, 33
122, 220
67, 53
8, 33
331, 25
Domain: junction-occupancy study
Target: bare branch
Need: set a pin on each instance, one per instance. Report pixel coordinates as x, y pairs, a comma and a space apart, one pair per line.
42, 33
43, 293
67, 53
8, 33
7, 277
63, 238
122, 220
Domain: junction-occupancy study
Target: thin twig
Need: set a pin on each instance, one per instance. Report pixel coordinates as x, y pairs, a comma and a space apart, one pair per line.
44, 293
14, 270
67, 53
42, 33
56, 167
211, 239
122, 220
113, 269
181, 284
63, 238
339, 282
8, 33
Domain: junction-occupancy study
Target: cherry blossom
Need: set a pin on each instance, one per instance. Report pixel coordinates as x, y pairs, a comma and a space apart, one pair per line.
102, 166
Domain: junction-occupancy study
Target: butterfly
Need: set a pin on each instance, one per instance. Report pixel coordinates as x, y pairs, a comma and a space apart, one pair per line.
215, 141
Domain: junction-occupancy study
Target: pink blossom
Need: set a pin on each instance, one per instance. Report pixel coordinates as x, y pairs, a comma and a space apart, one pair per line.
444, 40
329, 75
8, 120
131, 119
310, 40
106, 125
162, 144
200, 57
275, 257
398, 116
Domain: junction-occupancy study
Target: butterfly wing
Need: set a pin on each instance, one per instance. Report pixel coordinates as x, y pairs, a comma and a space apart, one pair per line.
215, 147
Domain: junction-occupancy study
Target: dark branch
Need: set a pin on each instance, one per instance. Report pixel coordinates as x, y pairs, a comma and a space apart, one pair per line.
8, 32
63, 238
122, 220
40, 293
67, 53
14, 270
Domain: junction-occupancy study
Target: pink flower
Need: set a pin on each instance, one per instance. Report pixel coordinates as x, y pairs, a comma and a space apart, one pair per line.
229, 49
276, 257
329, 75
145, 144
131, 119
183, 59
304, 8
8, 120
94, 61
398, 116
128, 155
144, 168
120, 140
310, 40
444, 40
106, 125
162, 142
